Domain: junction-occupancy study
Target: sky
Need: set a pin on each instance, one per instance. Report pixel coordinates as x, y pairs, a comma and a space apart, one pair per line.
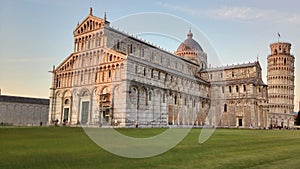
37, 34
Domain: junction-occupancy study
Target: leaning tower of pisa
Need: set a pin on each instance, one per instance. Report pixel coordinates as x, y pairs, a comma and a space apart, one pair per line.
280, 78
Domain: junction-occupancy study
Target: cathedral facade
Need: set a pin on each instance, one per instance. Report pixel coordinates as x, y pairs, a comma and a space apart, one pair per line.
114, 79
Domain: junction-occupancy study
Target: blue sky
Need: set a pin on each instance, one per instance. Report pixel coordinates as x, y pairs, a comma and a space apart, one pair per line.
37, 34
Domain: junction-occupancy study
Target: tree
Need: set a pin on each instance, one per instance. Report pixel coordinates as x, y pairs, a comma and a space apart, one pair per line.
298, 119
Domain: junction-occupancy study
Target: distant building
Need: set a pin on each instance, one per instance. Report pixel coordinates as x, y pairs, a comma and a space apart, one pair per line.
16, 110
239, 93
112, 78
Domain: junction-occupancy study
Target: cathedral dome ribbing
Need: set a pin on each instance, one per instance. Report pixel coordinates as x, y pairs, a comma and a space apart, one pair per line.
189, 45
190, 50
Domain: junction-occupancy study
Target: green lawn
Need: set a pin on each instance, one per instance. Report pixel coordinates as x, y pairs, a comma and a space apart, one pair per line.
64, 147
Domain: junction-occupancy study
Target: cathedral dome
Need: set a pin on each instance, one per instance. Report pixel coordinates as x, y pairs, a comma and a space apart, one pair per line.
189, 45
190, 50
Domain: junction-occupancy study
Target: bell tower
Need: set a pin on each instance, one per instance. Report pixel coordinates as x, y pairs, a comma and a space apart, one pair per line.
280, 77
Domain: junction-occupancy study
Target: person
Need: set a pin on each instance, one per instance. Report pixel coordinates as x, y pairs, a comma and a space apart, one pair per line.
56, 122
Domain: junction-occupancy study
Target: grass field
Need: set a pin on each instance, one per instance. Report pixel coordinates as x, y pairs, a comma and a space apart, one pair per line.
59, 147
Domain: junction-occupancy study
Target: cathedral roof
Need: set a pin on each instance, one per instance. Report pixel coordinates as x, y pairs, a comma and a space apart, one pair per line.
246, 81
18, 99
189, 45
250, 64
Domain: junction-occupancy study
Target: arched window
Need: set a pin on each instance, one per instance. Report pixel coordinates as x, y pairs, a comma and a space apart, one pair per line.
284, 61
136, 68
57, 82
130, 48
81, 78
96, 76
152, 73
143, 52
225, 107
109, 73
89, 43
275, 51
150, 95
152, 56
118, 44
229, 89
237, 88
175, 99
67, 101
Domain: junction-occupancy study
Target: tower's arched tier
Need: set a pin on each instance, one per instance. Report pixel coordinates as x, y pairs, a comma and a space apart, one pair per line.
280, 78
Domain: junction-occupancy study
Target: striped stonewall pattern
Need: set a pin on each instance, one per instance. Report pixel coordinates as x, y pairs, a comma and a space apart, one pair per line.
281, 85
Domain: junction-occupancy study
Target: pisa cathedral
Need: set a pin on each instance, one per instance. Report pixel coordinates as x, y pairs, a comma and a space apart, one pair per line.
114, 79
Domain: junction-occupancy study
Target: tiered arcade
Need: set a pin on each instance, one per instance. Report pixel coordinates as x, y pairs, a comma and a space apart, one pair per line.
281, 85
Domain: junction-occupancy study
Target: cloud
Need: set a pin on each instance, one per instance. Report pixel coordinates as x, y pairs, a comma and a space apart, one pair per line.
238, 13
180, 9
254, 14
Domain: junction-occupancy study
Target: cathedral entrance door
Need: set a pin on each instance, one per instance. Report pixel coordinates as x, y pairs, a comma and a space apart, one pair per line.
240, 122
106, 114
66, 114
84, 112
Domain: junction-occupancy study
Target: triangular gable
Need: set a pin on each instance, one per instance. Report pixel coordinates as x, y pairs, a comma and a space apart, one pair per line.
90, 23
67, 64
118, 54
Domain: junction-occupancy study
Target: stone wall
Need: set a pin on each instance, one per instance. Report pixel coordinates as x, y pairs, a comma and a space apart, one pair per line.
23, 111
